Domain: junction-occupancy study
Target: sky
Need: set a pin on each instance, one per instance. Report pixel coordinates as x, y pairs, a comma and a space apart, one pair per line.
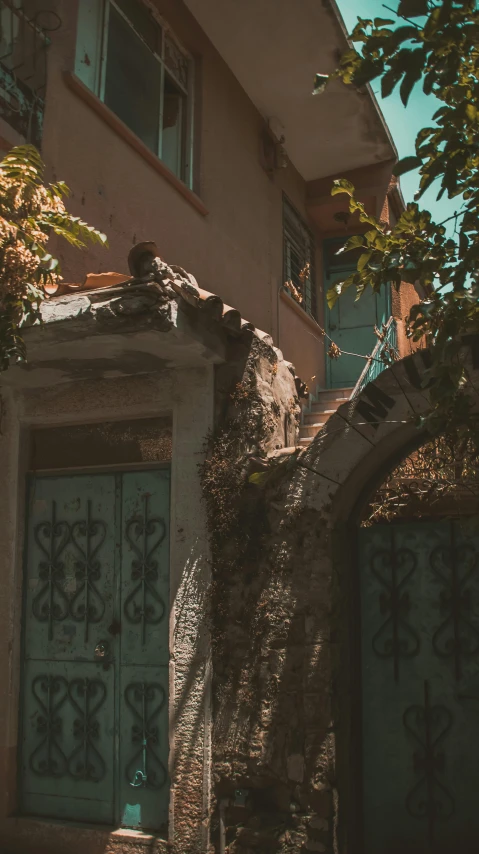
403, 122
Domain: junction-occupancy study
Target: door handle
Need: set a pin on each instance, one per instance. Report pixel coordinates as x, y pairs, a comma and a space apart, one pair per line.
102, 654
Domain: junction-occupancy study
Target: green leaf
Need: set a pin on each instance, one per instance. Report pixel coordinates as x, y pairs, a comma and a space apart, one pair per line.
414, 65
259, 478
341, 185
332, 297
413, 8
390, 80
383, 22
471, 112
354, 242
363, 260
406, 164
367, 71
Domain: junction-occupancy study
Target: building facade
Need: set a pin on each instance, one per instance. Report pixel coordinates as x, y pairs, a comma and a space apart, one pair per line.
169, 683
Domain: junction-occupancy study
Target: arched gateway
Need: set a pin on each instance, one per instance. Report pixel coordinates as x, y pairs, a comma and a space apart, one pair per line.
403, 513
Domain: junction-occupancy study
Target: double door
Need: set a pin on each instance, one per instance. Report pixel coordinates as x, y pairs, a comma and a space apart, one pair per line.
95, 649
420, 681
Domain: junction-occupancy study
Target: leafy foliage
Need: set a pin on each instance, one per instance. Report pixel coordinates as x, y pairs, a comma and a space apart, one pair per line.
30, 213
438, 479
437, 44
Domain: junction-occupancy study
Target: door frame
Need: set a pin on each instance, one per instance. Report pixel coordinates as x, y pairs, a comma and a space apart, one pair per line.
94, 400
30, 476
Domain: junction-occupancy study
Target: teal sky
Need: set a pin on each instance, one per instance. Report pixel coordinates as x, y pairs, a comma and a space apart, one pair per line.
403, 122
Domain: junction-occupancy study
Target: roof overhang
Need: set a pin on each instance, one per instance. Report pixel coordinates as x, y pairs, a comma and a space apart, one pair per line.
115, 332
275, 48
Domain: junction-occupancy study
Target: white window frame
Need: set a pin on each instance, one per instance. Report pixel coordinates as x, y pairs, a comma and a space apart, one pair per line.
93, 40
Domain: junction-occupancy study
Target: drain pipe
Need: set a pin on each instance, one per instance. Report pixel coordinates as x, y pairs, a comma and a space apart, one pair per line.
223, 804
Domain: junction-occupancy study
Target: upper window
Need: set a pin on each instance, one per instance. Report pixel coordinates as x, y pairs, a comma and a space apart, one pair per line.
299, 274
24, 38
131, 60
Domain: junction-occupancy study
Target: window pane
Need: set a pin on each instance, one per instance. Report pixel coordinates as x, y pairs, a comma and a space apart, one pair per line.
174, 122
143, 22
176, 61
133, 81
299, 248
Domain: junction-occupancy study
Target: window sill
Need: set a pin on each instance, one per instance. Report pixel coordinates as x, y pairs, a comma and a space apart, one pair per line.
296, 307
75, 84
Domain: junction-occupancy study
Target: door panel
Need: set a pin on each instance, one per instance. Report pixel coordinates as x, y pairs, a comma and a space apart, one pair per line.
350, 323
145, 568
68, 742
144, 691
96, 615
420, 682
70, 566
144, 746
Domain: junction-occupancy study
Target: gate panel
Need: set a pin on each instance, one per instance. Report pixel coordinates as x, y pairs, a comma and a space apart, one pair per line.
95, 686
420, 680
144, 650
68, 697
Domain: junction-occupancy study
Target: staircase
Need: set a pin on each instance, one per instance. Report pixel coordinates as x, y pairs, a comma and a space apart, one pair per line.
321, 409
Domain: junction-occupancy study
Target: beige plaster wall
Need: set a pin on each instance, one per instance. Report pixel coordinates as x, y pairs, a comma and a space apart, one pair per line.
180, 393
236, 249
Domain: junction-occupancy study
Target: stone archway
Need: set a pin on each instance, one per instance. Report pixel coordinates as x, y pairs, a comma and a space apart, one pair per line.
287, 711
360, 445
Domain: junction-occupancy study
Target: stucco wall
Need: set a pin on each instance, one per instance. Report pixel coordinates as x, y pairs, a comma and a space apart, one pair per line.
188, 396
236, 249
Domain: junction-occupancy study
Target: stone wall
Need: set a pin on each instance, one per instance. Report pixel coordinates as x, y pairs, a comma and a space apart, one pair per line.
285, 697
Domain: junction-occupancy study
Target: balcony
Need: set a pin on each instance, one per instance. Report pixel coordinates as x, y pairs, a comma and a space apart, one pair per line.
24, 41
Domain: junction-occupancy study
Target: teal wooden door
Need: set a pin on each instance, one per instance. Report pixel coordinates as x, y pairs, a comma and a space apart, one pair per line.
420, 683
95, 682
350, 323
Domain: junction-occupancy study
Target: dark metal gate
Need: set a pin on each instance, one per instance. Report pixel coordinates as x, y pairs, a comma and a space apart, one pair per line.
420, 687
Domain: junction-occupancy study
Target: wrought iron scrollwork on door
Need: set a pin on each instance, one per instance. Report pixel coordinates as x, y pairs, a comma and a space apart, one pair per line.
87, 605
86, 696
146, 701
53, 756
51, 602
454, 566
48, 759
395, 638
429, 798
144, 534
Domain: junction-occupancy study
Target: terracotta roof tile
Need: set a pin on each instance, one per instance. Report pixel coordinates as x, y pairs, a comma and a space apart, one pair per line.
186, 287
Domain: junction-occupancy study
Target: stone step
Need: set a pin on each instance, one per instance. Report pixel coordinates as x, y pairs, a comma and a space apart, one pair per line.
311, 429
318, 416
328, 403
304, 441
321, 409
334, 394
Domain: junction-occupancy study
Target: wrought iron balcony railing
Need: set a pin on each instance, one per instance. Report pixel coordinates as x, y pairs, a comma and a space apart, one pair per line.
24, 41
383, 355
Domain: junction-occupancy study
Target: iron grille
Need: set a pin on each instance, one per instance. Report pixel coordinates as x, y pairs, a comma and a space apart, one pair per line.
299, 271
24, 28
